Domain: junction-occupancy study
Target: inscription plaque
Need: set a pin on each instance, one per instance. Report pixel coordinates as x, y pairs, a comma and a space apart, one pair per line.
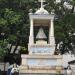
42, 49
42, 62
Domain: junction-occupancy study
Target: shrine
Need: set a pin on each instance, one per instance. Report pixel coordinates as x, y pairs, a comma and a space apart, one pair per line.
41, 59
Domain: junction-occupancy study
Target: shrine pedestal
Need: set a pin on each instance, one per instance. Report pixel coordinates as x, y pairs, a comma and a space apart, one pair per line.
41, 47
41, 64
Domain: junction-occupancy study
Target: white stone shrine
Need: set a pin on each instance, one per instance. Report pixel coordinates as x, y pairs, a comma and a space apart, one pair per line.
41, 59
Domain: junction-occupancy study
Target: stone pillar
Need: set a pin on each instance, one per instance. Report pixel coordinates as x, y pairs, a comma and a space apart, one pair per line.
51, 33
52, 29
31, 37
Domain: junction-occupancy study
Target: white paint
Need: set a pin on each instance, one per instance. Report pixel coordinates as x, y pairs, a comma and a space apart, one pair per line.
42, 11
31, 37
51, 35
52, 29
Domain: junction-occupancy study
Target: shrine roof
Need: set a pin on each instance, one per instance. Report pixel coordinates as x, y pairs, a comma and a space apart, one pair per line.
41, 11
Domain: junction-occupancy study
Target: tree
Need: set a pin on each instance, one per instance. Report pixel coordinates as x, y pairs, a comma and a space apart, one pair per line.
3, 49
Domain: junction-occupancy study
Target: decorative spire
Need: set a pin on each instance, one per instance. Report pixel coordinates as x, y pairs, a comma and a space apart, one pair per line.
41, 10
41, 2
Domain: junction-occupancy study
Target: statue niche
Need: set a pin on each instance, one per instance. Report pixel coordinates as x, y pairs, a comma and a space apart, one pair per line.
41, 37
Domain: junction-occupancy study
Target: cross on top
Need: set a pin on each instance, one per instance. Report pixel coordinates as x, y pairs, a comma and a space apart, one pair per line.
41, 2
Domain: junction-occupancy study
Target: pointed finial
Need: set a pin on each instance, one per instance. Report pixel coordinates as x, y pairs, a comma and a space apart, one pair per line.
41, 2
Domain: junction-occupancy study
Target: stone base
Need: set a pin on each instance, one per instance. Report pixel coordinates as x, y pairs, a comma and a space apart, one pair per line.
39, 74
41, 64
41, 60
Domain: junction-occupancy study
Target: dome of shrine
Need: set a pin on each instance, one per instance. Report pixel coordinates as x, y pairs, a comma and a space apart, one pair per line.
41, 11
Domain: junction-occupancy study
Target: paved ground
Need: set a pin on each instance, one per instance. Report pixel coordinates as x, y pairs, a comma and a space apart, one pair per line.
38, 74
73, 72
73, 69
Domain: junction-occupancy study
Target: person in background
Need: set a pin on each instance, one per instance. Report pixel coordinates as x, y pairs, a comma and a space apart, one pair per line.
15, 70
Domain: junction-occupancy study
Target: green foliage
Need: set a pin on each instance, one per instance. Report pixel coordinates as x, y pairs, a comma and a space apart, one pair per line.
12, 38
23, 50
3, 22
11, 16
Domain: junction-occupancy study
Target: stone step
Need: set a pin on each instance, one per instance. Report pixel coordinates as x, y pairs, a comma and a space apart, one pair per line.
38, 74
73, 73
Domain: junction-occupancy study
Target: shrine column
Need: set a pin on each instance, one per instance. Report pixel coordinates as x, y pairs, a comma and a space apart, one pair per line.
51, 33
31, 37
